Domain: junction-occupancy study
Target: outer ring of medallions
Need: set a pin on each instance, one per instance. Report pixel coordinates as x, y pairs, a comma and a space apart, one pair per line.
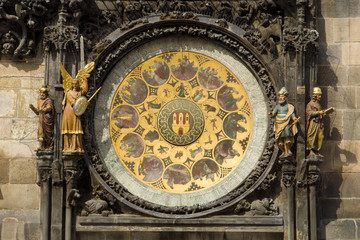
167, 117
257, 142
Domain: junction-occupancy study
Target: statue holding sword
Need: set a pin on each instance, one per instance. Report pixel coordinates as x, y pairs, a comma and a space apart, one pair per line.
74, 105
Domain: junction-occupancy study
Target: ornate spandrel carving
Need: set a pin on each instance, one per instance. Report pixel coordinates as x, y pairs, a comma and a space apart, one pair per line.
309, 172
288, 170
299, 38
206, 8
61, 37
268, 181
73, 167
43, 166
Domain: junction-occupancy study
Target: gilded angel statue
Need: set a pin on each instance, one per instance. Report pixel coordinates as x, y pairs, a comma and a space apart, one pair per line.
74, 90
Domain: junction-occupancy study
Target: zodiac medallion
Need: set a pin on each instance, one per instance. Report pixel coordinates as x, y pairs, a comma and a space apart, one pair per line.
180, 122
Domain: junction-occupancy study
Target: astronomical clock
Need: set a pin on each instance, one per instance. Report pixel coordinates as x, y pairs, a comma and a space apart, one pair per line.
181, 128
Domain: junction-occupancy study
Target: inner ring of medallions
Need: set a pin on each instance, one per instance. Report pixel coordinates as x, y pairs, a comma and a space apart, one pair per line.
181, 122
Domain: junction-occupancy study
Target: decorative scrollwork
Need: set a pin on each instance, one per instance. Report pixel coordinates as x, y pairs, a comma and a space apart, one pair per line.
300, 39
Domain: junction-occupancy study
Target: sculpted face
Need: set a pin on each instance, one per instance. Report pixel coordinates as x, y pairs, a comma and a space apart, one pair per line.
318, 97
282, 99
43, 95
75, 85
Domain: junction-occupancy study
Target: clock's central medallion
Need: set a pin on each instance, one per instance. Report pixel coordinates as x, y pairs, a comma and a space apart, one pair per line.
180, 122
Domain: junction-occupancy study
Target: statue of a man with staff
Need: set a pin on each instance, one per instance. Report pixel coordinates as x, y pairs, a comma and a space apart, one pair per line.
285, 124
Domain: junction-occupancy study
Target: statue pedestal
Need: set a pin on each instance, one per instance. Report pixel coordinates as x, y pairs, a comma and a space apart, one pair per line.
72, 169
44, 176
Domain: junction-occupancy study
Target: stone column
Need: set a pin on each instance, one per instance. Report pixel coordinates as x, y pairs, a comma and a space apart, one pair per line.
288, 179
43, 164
72, 170
313, 179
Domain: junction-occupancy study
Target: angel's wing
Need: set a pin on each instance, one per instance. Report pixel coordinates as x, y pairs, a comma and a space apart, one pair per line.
85, 72
66, 76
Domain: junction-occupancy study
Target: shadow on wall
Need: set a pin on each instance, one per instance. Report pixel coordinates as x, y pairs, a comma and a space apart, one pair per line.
332, 75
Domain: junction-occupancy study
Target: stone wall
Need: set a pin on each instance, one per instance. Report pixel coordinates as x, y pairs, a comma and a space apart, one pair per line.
19, 195
338, 73
338, 76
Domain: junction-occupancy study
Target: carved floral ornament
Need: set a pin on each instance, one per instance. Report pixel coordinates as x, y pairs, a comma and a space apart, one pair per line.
102, 161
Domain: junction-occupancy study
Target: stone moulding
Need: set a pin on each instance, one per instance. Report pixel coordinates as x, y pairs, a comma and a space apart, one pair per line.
231, 39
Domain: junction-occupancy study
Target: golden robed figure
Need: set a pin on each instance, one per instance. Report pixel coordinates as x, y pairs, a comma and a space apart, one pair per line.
71, 124
315, 123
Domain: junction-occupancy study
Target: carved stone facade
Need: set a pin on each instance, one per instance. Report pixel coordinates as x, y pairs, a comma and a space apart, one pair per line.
276, 41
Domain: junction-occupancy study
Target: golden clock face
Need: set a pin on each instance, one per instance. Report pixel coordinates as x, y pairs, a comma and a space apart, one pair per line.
180, 122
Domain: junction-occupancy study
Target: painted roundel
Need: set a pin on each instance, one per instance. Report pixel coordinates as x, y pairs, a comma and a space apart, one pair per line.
180, 122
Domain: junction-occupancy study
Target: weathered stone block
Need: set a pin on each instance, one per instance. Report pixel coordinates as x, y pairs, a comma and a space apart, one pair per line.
8, 100
341, 156
325, 29
328, 163
340, 208
24, 129
344, 185
4, 171
12, 229
31, 218
357, 97
335, 8
339, 98
354, 75
345, 156
27, 96
351, 53
337, 229
18, 149
334, 126
22, 171
340, 8
19, 196
32, 82
33, 231
342, 29
333, 76
351, 124
5, 129
354, 34
20, 69
354, 8
10, 82
330, 54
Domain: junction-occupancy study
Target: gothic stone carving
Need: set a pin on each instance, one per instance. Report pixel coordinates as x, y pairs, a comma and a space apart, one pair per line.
288, 170
264, 206
61, 37
299, 38
43, 165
